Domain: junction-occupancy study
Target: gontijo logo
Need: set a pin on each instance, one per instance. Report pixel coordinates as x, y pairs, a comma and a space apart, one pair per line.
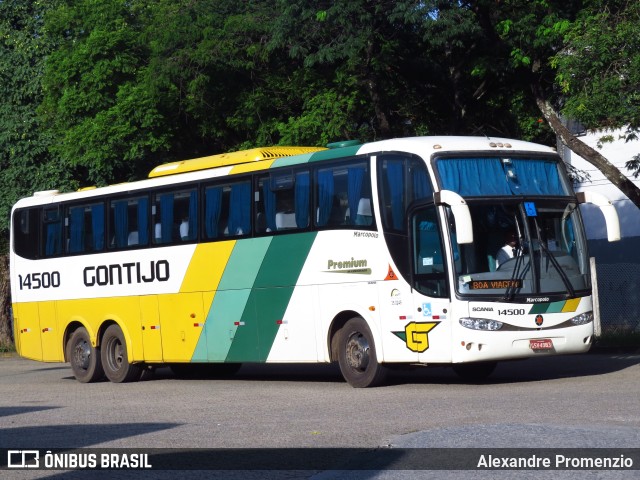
416, 335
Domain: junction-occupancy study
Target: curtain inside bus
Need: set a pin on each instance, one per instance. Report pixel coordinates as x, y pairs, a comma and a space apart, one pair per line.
143, 221
97, 226
325, 196
240, 209
193, 216
213, 204
269, 206
355, 176
302, 189
76, 229
495, 176
121, 220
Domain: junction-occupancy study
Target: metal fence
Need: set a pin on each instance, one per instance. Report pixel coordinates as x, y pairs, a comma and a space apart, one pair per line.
619, 297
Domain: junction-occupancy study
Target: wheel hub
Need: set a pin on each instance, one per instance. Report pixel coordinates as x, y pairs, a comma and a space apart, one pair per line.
358, 352
82, 355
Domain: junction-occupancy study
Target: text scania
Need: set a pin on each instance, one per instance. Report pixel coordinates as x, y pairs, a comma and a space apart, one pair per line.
127, 273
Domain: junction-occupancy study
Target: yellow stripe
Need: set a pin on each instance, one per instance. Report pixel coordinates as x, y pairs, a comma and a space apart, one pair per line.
571, 305
207, 266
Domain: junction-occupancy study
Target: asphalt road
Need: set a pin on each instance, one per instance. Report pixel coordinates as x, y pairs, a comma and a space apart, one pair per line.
583, 401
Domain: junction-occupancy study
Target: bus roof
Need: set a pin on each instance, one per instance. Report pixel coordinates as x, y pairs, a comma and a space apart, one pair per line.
232, 158
427, 146
268, 157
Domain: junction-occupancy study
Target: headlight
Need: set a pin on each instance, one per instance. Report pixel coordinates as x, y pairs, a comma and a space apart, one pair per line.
480, 324
583, 318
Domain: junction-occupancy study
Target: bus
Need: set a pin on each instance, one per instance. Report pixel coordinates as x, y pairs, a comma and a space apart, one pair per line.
374, 256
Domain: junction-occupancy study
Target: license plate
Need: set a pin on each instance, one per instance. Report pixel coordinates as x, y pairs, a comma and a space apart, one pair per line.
541, 344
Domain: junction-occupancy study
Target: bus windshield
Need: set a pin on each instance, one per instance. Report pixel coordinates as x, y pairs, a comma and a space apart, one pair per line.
523, 248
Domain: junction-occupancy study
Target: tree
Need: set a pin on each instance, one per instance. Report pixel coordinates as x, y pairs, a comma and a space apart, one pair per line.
581, 61
25, 162
365, 60
103, 118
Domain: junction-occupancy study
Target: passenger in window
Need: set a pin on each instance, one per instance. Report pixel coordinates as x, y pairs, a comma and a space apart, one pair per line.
184, 229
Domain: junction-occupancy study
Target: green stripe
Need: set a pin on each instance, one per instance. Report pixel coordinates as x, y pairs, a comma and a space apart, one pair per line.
268, 301
556, 307
539, 308
289, 161
231, 299
335, 153
553, 307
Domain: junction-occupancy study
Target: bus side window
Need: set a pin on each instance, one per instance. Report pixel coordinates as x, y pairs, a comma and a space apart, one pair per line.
26, 233
129, 222
175, 217
344, 196
85, 228
282, 201
403, 180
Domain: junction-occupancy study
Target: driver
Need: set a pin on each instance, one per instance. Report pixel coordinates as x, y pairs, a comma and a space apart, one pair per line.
509, 250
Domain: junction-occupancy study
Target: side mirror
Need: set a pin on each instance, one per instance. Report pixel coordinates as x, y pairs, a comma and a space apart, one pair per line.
608, 211
461, 214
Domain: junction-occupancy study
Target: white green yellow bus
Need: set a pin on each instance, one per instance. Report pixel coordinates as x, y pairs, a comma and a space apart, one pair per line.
371, 255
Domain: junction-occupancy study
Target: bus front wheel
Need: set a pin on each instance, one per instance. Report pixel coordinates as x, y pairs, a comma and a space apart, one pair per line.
115, 360
357, 355
84, 358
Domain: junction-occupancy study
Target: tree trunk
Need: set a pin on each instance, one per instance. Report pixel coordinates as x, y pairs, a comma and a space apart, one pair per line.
6, 333
591, 155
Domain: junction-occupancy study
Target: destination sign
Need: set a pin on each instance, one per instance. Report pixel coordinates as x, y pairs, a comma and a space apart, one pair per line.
494, 284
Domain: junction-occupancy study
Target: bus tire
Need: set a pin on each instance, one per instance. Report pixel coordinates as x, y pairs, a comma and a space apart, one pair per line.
474, 372
84, 358
114, 357
357, 355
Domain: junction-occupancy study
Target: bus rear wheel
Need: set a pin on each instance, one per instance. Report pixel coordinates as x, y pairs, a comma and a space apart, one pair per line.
84, 358
114, 357
357, 355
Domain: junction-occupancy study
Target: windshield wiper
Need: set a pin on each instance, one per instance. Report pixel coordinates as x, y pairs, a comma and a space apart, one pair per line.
554, 262
511, 289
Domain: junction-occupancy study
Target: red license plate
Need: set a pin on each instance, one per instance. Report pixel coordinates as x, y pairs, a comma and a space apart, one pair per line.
541, 344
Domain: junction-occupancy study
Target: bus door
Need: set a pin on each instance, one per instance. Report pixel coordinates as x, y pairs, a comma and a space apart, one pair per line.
182, 321
27, 330
151, 336
51, 344
430, 332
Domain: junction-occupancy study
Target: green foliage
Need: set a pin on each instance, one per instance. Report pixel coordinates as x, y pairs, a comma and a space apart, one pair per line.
25, 163
121, 85
599, 66
104, 119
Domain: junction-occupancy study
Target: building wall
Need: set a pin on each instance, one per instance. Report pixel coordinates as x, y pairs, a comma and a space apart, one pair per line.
617, 263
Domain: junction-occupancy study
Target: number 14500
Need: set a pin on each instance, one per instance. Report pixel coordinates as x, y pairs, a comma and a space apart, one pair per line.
34, 281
